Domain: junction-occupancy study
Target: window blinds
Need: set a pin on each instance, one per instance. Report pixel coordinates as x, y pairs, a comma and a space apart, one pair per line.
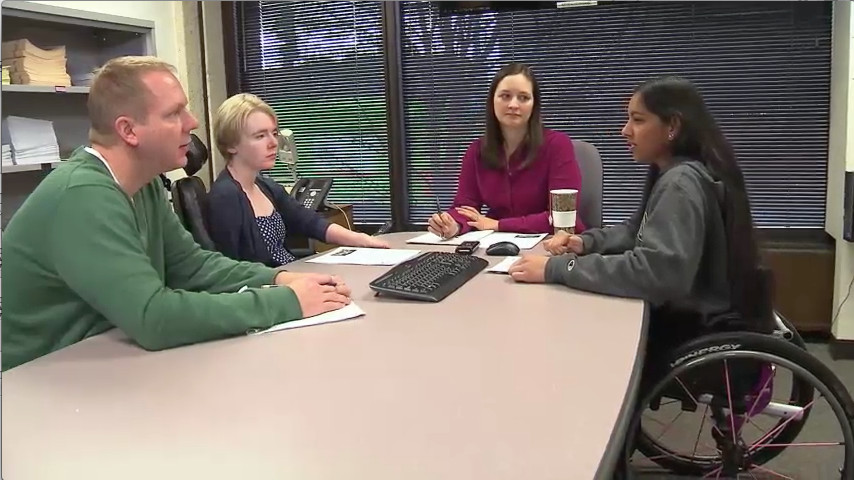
320, 65
763, 67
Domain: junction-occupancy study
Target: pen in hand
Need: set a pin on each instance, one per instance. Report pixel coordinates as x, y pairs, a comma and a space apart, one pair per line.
439, 214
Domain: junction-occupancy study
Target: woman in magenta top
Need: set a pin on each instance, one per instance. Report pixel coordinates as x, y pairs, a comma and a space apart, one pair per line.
511, 169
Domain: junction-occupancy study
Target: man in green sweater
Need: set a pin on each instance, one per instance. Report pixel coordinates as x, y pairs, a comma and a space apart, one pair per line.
97, 245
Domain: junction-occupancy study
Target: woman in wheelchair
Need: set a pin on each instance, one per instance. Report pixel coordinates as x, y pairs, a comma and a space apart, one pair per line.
715, 346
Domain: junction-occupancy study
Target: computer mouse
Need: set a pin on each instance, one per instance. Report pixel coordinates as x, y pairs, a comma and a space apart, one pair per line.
505, 249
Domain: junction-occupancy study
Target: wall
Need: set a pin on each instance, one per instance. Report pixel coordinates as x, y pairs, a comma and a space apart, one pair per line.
190, 69
215, 71
841, 159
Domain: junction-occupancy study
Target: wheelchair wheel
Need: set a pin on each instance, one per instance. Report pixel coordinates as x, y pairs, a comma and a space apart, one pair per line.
801, 394
726, 377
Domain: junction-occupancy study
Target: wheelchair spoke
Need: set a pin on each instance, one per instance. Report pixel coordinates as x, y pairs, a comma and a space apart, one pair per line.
749, 421
672, 454
666, 428
729, 402
693, 399
647, 416
702, 424
758, 444
751, 411
810, 444
716, 472
663, 455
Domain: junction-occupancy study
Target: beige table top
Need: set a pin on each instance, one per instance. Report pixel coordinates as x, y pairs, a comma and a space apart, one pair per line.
498, 381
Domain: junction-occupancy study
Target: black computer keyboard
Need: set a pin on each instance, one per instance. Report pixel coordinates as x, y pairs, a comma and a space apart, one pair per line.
430, 276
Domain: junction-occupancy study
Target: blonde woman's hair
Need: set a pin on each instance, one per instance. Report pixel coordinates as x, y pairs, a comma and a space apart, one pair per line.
117, 90
231, 118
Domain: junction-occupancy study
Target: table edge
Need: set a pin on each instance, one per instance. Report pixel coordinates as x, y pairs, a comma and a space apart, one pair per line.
614, 447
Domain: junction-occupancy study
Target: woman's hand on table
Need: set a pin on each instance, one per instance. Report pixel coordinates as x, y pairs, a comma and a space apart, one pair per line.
316, 297
476, 220
529, 269
443, 225
563, 242
369, 241
288, 278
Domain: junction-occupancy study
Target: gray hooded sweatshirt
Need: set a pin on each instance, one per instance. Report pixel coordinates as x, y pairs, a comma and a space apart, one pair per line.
672, 253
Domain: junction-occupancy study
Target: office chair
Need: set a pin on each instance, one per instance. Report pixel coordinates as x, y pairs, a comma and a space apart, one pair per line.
590, 201
189, 195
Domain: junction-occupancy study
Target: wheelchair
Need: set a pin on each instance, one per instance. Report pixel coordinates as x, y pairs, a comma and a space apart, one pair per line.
739, 413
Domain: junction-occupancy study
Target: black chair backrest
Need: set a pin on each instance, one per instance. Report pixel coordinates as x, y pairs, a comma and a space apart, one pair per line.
190, 198
197, 155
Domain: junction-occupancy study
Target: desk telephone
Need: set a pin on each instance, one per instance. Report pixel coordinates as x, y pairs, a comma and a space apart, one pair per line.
312, 192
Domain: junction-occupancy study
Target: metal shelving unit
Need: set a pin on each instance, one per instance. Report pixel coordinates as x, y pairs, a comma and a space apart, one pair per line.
90, 39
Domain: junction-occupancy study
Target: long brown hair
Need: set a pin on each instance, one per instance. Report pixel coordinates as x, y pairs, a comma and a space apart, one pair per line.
493, 139
700, 138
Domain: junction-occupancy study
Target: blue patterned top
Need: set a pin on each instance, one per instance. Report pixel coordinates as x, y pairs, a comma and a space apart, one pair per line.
273, 230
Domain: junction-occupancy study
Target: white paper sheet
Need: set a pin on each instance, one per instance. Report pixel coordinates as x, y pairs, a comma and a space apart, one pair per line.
431, 239
525, 241
32, 141
345, 313
365, 256
504, 265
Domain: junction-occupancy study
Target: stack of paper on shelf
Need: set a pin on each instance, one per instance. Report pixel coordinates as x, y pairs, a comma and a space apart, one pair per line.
7, 79
7, 155
32, 141
31, 65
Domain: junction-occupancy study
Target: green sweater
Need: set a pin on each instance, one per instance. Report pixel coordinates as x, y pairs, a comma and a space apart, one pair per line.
79, 258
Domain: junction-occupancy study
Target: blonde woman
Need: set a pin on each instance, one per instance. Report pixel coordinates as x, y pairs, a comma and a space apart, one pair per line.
250, 216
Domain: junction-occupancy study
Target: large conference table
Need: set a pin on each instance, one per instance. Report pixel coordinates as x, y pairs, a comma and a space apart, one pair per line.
497, 381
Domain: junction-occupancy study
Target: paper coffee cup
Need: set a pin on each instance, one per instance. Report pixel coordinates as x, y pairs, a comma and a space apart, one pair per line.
563, 205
